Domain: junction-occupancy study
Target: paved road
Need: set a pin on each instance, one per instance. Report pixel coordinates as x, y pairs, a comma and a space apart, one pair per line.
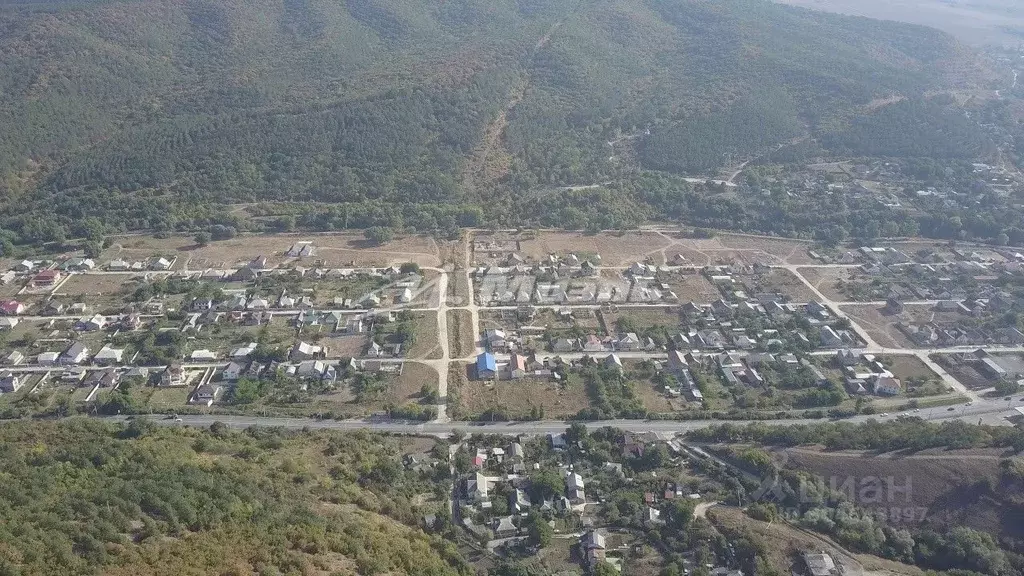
987, 411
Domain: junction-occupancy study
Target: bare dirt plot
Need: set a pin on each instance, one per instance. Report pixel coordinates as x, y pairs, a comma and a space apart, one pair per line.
667, 316
826, 280
425, 332
781, 248
95, 284
694, 288
518, 397
615, 250
786, 283
906, 367
657, 403
334, 250
461, 340
942, 483
344, 346
880, 325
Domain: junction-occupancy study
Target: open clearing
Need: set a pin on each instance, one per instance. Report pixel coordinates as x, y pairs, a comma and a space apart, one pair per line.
693, 288
826, 279
880, 325
425, 345
783, 541
461, 341
334, 250
95, 284
519, 397
615, 250
786, 283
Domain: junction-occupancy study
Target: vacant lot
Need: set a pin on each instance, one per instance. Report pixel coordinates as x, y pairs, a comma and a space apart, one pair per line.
95, 284
425, 345
517, 398
907, 367
879, 324
638, 318
344, 345
944, 483
782, 542
461, 340
615, 250
693, 288
827, 280
334, 250
782, 281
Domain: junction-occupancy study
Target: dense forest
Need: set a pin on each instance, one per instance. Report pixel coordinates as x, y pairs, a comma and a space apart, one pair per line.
85, 497
160, 115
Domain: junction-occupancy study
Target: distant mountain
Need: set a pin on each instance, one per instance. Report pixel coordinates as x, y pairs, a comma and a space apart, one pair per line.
157, 114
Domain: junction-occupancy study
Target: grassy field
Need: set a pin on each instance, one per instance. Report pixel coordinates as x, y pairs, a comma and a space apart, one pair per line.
461, 340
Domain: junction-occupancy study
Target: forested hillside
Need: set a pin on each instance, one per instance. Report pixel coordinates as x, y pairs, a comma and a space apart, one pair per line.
83, 497
157, 114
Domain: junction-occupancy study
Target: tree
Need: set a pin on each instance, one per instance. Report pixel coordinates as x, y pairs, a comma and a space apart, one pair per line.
379, 235
202, 238
538, 530
410, 268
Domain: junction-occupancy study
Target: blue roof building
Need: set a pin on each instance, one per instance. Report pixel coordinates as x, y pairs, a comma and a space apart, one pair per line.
486, 365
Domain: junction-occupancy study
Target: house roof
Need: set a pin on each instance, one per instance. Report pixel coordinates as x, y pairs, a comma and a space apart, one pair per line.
486, 362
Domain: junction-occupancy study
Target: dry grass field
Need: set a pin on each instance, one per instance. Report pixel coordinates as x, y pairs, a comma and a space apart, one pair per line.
615, 250
334, 250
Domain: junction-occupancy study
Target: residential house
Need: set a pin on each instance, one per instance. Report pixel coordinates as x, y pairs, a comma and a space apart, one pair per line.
173, 375
203, 355
830, 338
575, 488
316, 369
243, 352
888, 386
205, 394
592, 344
106, 378
486, 366
10, 382
107, 356
629, 342
303, 351
14, 358
8, 323
12, 308
159, 263
613, 362
517, 366
593, 546
77, 353
234, 371
46, 278
564, 345
47, 358
79, 264
821, 564
846, 358
504, 527
92, 323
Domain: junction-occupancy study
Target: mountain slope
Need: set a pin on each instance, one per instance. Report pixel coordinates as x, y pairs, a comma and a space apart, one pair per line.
82, 497
157, 113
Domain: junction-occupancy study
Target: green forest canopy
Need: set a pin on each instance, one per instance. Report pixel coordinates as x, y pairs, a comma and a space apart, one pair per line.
156, 114
85, 497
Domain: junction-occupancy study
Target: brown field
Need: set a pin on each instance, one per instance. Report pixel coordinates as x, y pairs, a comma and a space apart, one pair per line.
657, 403
403, 390
426, 344
461, 340
520, 396
789, 251
694, 288
825, 279
878, 324
644, 317
942, 482
786, 283
905, 367
615, 250
344, 346
783, 541
334, 250
94, 284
